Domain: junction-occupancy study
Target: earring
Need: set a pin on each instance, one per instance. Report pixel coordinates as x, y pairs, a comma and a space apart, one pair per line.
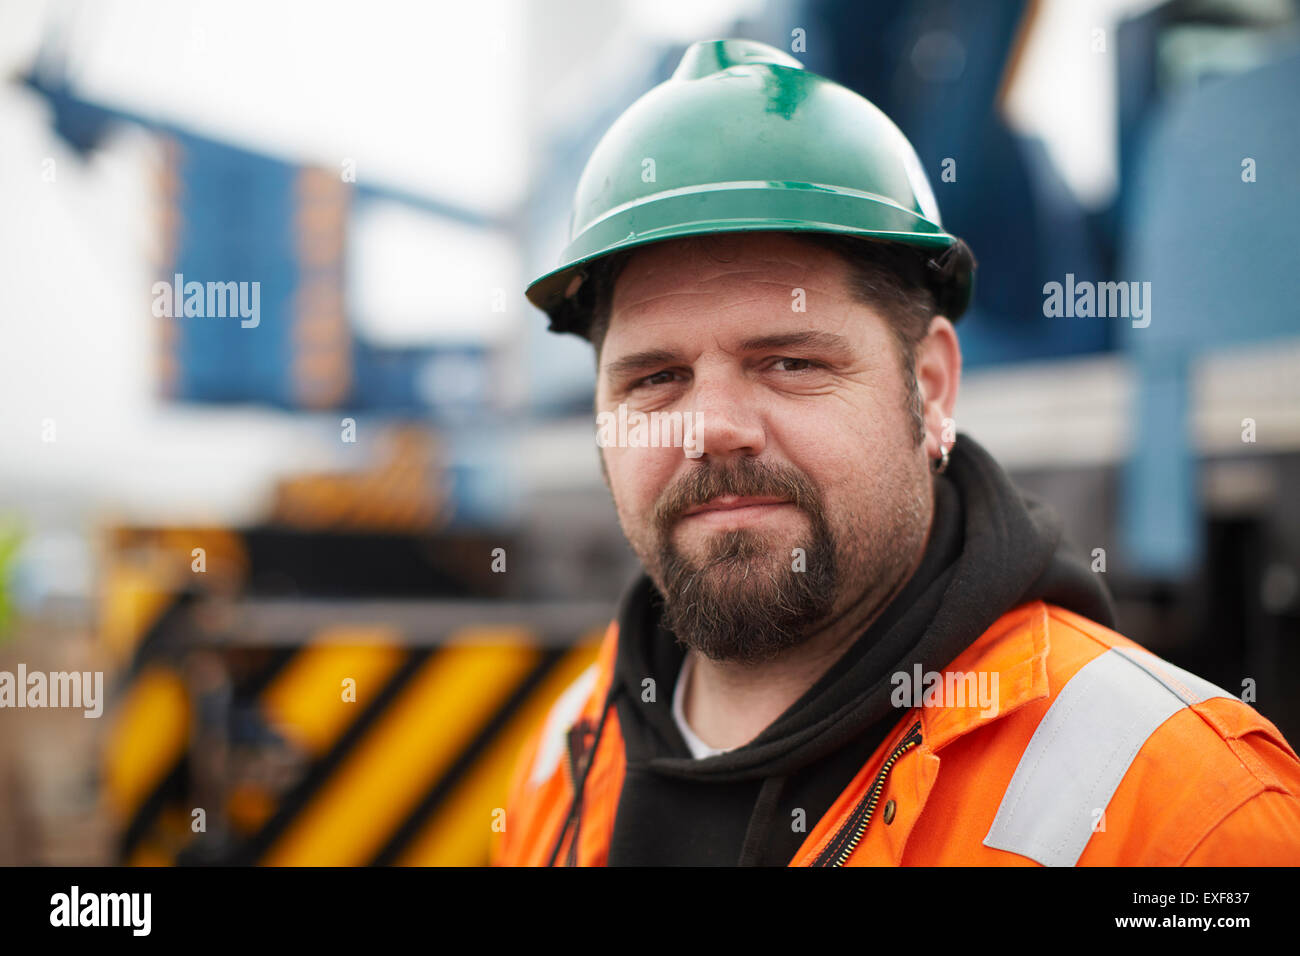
940, 465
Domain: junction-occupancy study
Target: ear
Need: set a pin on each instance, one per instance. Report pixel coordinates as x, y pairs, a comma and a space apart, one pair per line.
938, 376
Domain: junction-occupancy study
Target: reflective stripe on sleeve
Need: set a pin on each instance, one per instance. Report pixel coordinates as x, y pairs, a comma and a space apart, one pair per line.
1082, 749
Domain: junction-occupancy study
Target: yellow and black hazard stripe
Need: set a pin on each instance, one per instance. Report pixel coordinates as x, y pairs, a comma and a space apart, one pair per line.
418, 776
414, 771
451, 823
146, 758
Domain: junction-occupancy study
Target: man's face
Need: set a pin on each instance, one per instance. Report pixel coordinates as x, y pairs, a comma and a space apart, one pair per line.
805, 496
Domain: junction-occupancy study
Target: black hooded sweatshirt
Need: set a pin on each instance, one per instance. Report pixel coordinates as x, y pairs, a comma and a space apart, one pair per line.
990, 549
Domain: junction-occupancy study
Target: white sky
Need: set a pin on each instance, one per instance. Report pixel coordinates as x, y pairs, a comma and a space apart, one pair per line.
428, 96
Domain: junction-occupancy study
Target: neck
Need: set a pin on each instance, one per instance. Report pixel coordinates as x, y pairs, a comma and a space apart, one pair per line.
728, 704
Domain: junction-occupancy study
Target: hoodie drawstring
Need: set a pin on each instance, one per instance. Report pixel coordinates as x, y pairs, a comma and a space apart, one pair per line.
574, 816
760, 820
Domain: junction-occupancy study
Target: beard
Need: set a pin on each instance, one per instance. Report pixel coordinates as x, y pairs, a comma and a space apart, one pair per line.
745, 602
748, 597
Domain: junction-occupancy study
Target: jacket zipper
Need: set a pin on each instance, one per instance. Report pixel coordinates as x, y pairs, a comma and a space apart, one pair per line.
850, 834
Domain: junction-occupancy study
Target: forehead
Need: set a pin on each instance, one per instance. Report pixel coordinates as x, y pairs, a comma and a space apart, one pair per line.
705, 264
740, 283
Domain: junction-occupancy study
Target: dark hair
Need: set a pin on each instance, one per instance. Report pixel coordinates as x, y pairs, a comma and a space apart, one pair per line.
890, 276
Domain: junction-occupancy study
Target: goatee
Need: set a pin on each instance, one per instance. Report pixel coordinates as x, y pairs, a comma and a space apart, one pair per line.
749, 598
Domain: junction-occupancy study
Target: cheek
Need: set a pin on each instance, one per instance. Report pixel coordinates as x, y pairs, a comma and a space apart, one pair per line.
854, 453
637, 478
839, 446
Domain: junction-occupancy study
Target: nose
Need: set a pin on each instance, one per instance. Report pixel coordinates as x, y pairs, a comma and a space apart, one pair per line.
727, 420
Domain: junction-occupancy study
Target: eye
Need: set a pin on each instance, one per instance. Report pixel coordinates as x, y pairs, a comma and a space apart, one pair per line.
655, 379
800, 364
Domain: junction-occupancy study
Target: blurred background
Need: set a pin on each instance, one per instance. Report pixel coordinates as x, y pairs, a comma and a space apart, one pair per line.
391, 480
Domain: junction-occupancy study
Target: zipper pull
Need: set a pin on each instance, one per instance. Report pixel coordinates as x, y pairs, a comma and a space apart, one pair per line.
913, 732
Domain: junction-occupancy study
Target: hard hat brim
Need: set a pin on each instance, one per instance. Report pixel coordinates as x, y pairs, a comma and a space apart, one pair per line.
738, 207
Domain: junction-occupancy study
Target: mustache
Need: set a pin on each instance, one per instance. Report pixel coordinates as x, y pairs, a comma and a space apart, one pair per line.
748, 477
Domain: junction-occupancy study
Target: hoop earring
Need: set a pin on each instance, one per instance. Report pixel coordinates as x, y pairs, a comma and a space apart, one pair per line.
940, 465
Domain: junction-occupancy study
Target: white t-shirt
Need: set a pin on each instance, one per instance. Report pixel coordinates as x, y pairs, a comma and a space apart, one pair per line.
699, 748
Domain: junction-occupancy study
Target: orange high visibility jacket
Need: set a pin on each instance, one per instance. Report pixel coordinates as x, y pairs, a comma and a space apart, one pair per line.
1098, 753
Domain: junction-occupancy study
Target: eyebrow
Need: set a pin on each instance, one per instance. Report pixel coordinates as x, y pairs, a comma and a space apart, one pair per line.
641, 361
652, 358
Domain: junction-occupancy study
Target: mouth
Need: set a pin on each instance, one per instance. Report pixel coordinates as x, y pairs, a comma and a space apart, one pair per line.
735, 505
732, 502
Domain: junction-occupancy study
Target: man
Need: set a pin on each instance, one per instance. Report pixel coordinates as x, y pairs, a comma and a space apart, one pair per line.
854, 642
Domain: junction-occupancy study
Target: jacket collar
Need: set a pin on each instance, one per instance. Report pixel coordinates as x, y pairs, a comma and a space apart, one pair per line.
1014, 650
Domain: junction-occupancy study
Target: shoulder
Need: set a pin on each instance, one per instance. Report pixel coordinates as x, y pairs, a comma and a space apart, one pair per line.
1095, 668
1134, 760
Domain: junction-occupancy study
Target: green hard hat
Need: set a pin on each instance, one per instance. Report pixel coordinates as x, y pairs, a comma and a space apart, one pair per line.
742, 138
